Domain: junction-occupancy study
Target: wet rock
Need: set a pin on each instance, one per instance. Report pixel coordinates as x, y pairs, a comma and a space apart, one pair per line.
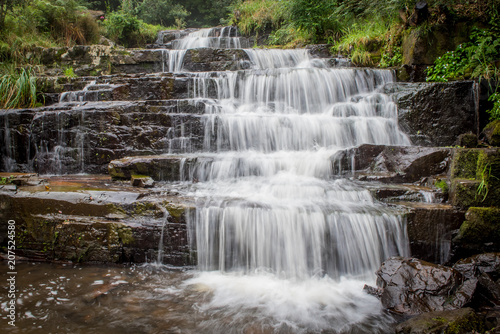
435, 114
320, 50
457, 321
411, 286
159, 168
85, 137
487, 263
208, 59
393, 163
492, 133
95, 226
142, 181
431, 229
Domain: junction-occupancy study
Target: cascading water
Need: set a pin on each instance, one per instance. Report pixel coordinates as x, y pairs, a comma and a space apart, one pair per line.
226, 37
276, 232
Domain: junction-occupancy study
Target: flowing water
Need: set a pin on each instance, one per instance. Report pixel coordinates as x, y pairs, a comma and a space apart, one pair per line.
284, 244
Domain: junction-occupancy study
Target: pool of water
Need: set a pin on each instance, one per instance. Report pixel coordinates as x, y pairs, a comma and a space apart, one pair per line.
68, 298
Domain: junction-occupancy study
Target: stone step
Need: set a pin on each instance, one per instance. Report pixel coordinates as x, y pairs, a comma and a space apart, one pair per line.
85, 137
91, 219
431, 228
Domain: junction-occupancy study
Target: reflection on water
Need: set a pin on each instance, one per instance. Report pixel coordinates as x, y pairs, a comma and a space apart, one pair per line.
57, 298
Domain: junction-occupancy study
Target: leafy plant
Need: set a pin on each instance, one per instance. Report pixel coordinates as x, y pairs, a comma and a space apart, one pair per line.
69, 72
450, 66
495, 111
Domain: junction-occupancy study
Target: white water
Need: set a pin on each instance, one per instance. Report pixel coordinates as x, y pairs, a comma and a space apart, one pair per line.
225, 37
277, 234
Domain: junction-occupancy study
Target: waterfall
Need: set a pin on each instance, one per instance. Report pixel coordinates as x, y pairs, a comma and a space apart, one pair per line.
268, 198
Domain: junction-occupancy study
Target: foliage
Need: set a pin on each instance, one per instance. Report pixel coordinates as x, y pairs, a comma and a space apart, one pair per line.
162, 12
129, 31
475, 59
18, 88
69, 72
391, 58
313, 16
257, 15
495, 111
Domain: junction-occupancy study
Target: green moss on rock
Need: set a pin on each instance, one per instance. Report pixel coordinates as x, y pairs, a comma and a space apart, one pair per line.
492, 132
482, 225
464, 163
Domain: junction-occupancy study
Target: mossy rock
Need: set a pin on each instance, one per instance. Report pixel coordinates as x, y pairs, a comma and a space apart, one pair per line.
448, 322
481, 229
464, 164
492, 133
468, 140
475, 177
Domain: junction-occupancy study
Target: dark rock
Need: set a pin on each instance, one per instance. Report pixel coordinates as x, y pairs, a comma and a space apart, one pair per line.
411, 286
159, 168
395, 163
85, 137
421, 47
320, 50
420, 14
492, 133
467, 140
486, 268
101, 226
460, 321
208, 59
435, 114
488, 263
431, 229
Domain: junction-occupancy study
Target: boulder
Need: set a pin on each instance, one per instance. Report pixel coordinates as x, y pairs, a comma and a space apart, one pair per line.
460, 321
142, 181
435, 114
393, 163
411, 286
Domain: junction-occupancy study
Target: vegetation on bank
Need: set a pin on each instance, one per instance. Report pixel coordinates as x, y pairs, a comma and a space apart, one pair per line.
370, 32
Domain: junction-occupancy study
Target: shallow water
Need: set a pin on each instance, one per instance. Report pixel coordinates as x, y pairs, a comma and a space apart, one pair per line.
67, 298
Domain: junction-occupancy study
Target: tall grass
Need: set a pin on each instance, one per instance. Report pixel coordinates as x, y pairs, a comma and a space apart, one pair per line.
18, 88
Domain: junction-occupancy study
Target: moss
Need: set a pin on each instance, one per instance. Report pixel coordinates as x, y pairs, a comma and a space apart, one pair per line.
117, 173
464, 193
125, 234
145, 208
482, 225
468, 324
464, 163
443, 185
176, 211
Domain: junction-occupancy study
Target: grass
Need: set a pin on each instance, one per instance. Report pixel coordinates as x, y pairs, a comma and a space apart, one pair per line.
18, 88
